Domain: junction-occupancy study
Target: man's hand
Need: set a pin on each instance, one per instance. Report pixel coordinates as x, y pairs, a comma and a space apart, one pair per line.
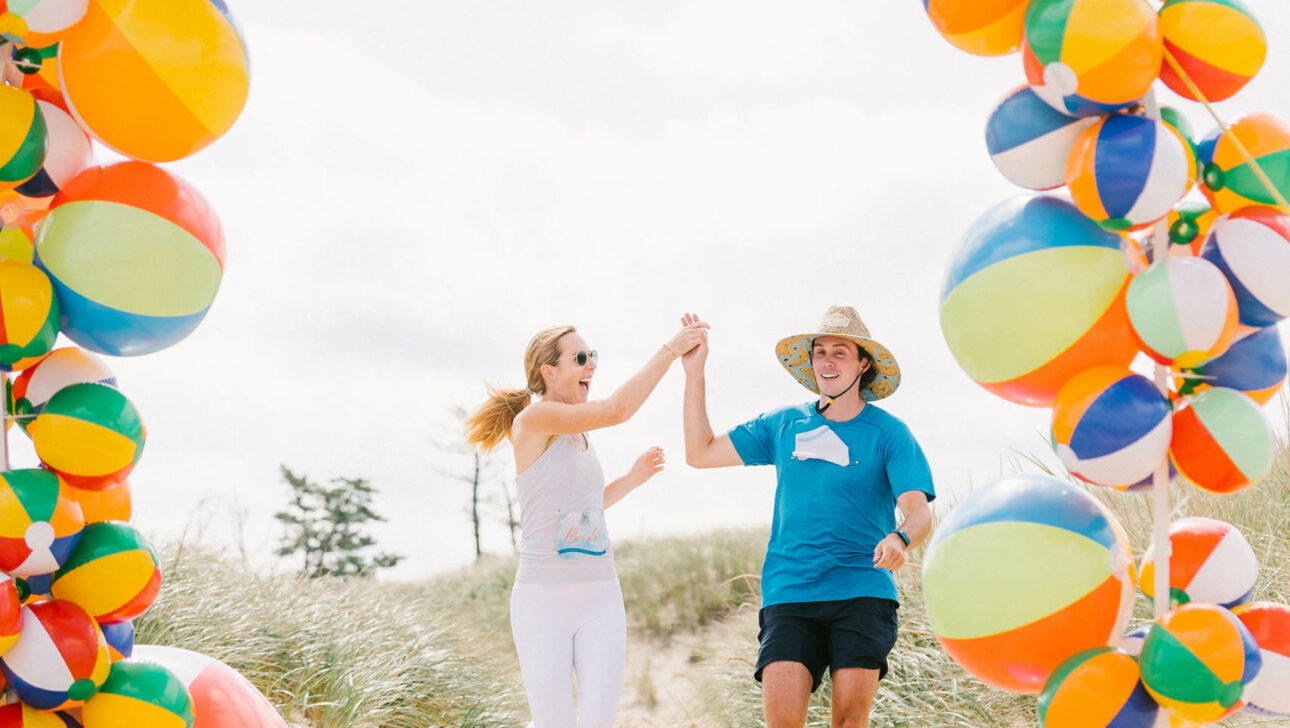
890, 553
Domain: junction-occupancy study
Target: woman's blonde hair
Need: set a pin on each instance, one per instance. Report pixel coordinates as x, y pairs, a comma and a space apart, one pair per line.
491, 423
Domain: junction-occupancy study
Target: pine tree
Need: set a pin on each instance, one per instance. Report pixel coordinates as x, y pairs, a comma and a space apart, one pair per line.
326, 524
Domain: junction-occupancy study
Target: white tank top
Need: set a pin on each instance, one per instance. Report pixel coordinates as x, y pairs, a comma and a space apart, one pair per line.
562, 507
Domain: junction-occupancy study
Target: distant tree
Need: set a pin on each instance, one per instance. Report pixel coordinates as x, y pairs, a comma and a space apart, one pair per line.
484, 474
326, 524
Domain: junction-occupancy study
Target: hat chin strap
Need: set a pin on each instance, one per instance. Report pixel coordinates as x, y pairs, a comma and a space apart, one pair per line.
820, 409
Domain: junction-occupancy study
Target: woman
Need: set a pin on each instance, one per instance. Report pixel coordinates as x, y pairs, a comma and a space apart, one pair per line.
567, 613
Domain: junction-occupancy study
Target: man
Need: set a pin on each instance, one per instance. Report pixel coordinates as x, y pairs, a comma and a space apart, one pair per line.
843, 465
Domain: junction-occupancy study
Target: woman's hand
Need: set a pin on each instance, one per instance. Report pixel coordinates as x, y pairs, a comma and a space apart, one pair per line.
694, 359
649, 463
690, 335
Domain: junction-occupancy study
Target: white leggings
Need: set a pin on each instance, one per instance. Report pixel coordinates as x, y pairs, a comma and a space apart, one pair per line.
563, 629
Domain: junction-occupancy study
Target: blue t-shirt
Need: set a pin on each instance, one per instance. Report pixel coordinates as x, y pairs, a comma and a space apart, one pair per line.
835, 499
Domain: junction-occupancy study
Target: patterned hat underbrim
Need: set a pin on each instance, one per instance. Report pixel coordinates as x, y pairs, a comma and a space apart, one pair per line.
794, 353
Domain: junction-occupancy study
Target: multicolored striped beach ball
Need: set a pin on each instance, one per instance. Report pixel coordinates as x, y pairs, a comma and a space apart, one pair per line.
1210, 562
156, 80
1029, 140
1269, 624
1252, 248
60, 659
113, 573
43, 22
1183, 311
1111, 426
1034, 295
1128, 171
990, 28
24, 138
1218, 44
1091, 57
1099, 687
10, 612
58, 369
69, 153
1255, 365
1189, 224
1023, 573
89, 434
1229, 182
1197, 661
39, 528
40, 74
18, 218
113, 503
120, 639
140, 693
29, 314
20, 715
1221, 441
136, 255
222, 698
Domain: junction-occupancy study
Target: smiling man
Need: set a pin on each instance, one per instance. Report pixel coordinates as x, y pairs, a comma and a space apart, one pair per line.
843, 467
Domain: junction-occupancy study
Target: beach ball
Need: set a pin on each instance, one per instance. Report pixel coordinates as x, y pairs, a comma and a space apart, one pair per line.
222, 698
1229, 182
43, 22
1023, 573
1029, 140
39, 527
69, 153
1091, 57
59, 660
1210, 562
10, 612
89, 434
1183, 311
136, 255
120, 639
19, 715
156, 80
29, 312
139, 693
1189, 225
18, 218
113, 573
1252, 248
58, 369
23, 136
989, 28
1255, 365
1033, 296
1197, 660
1217, 43
1128, 171
1269, 625
1111, 426
1221, 441
39, 67
112, 503
1099, 687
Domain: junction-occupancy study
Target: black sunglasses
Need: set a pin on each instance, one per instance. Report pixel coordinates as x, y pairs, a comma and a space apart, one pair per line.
580, 357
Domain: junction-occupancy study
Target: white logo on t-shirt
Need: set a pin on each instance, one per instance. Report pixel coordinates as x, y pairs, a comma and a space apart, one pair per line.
822, 443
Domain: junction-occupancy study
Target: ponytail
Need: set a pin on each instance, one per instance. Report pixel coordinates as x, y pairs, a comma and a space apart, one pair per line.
491, 423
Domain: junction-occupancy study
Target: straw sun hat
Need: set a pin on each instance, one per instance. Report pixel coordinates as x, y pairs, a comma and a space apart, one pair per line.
794, 352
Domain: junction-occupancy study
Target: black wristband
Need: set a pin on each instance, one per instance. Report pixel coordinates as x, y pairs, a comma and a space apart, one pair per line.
903, 537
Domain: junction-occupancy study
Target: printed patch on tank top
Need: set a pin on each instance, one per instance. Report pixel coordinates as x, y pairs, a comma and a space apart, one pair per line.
582, 535
822, 443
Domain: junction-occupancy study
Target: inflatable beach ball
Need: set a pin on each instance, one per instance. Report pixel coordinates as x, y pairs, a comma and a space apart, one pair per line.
136, 255
19, 715
222, 698
113, 573
41, 23
112, 503
991, 28
1252, 248
120, 639
39, 67
10, 612
1033, 296
1097, 688
1128, 171
1111, 426
1029, 140
60, 659
1189, 224
1183, 311
139, 693
1210, 562
1269, 625
39, 527
18, 218
1197, 660
1023, 573
58, 369
1221, 441
1217, 43
24, 137
68, 155
89, 434
156, 80
1091, 57
29, 311
1255, 365
1229, 182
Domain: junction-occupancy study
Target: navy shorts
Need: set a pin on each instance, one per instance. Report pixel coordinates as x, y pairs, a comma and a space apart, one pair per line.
857, 632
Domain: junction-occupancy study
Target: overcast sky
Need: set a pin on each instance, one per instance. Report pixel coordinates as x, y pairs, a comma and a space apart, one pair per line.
414, 190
